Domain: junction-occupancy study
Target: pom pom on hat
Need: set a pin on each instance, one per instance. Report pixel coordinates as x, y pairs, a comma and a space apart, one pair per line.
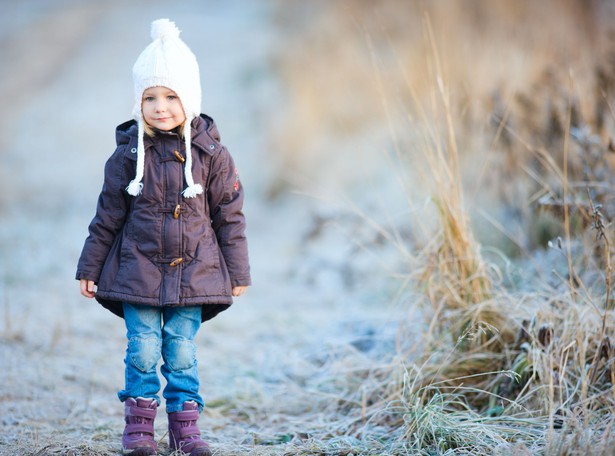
164, 28
167, 62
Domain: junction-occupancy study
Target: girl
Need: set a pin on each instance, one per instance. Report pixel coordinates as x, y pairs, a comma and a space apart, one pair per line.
166, 249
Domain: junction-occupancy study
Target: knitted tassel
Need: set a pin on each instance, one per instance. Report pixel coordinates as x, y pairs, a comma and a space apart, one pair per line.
135, 186
193, 189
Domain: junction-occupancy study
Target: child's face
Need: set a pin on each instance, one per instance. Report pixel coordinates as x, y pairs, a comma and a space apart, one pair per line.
162, 108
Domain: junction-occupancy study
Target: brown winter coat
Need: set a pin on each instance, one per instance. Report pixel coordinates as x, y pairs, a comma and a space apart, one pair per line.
159, 248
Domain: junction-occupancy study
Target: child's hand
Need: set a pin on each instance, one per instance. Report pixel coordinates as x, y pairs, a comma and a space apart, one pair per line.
238, 291
87, 288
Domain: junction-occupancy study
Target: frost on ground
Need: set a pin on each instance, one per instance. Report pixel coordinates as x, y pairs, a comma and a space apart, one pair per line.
62, 355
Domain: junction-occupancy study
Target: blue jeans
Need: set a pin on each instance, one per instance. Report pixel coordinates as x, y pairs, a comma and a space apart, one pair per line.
166, 331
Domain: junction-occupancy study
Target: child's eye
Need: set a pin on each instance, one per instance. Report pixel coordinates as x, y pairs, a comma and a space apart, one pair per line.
172, 97
149, 99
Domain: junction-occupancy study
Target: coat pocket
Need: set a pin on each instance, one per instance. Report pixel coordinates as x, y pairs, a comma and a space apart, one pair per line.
138, 274
204, 275
144, 234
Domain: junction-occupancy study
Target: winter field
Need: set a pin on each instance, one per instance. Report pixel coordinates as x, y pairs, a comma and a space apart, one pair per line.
429, 197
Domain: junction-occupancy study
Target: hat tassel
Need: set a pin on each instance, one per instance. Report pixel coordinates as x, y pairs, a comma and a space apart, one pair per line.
193, 189
135, 186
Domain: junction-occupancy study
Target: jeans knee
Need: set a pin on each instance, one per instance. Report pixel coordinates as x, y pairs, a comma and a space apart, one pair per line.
144, 352
179, 354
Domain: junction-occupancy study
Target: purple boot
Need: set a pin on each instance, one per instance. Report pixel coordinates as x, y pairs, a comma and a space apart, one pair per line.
138, 438
184, 433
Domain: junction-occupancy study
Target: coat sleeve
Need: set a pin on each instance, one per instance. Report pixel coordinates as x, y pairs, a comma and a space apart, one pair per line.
113, 203
225, 198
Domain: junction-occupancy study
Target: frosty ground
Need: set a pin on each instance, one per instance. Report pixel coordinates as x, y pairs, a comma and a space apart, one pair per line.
62, 355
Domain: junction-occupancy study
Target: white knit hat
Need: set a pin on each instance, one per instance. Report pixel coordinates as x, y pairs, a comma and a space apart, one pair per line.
167, 62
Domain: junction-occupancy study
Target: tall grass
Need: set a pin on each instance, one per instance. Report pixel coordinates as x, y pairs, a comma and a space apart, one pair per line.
523, 368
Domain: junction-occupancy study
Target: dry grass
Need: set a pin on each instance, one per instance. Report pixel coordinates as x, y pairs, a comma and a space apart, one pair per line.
525, 368
356, 70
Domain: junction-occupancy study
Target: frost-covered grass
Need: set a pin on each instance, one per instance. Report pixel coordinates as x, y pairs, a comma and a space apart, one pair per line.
514, 352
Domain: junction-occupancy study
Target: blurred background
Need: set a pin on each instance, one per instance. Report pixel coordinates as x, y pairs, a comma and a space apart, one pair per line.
340, 116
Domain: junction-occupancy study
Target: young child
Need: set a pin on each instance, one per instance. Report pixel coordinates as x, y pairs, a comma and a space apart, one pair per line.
166, 249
